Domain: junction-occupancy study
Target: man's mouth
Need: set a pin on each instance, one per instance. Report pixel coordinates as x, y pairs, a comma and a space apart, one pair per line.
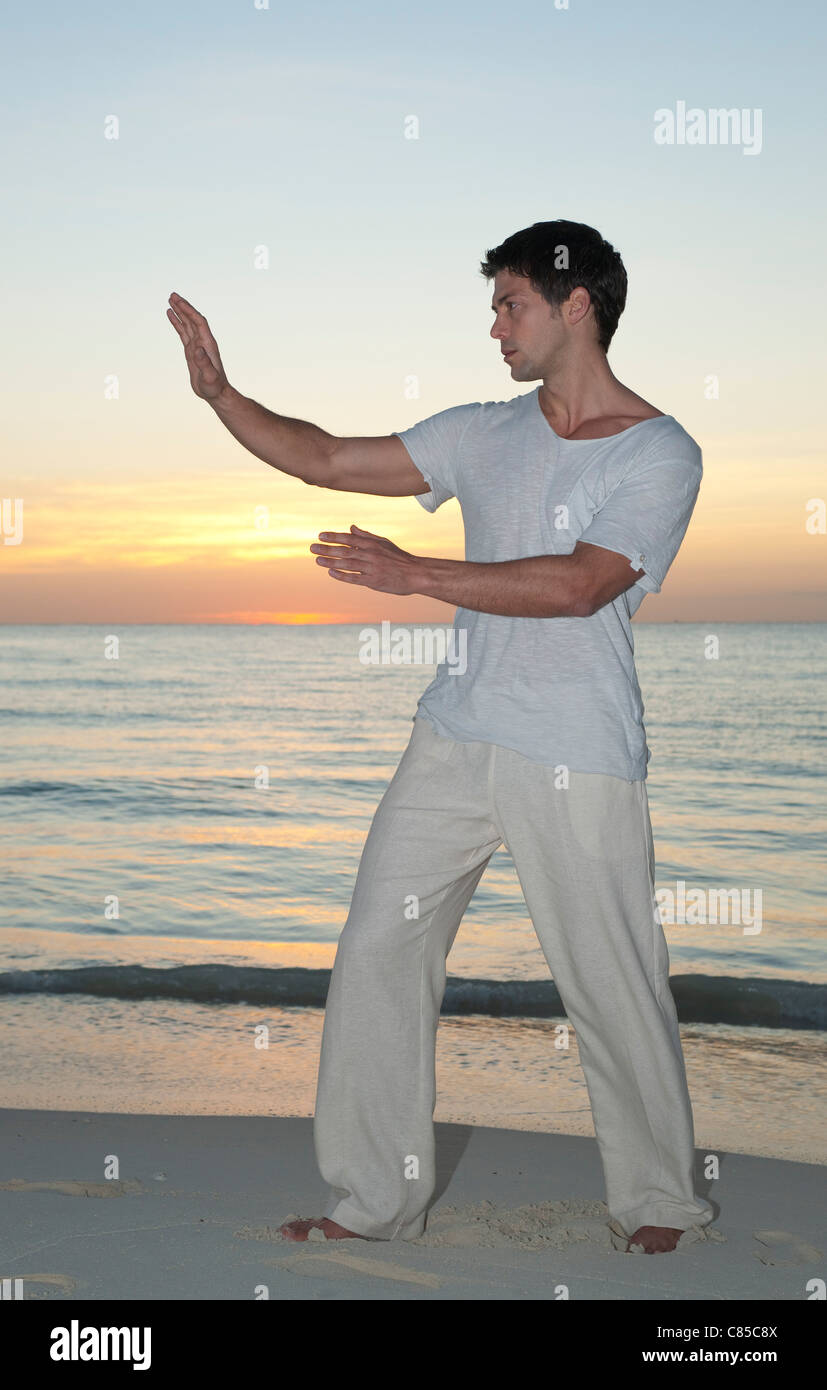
509, 354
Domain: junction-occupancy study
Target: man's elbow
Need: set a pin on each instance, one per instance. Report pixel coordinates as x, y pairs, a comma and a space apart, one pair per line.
320, 467
582, 600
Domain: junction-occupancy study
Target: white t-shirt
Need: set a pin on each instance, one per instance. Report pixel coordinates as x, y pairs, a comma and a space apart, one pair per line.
561, 691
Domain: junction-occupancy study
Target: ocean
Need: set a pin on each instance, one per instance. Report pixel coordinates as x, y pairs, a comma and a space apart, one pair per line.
182, 813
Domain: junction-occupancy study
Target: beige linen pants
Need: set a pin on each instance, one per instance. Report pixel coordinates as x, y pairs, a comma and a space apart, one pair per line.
585, 860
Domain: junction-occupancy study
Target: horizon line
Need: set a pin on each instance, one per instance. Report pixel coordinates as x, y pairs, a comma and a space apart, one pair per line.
411, 622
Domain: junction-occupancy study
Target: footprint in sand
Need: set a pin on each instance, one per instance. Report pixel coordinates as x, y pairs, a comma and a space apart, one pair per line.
32, 1285
320, 1265
115, 1188
782, 1248
543, 1226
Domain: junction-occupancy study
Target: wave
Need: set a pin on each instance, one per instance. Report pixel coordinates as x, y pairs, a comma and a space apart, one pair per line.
749, 1002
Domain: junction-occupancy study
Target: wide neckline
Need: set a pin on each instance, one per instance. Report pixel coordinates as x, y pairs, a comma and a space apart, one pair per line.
599, 439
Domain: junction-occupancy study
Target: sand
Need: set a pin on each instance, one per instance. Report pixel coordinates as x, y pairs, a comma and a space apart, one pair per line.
194, 1211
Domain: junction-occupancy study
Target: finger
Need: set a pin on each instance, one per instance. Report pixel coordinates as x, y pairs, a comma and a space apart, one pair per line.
176, 325
367, 533
186, 330
184, 308
343, 536
195, 322
339, 562
348, 578
331, 549
186, 313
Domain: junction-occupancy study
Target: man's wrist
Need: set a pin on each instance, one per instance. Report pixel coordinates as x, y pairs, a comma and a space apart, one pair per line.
433, 574
227, 401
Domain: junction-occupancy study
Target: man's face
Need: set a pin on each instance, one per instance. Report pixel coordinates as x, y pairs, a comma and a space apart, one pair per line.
525, 323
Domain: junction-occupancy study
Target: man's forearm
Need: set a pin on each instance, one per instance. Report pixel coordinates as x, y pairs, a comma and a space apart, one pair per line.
540, 586
293, 446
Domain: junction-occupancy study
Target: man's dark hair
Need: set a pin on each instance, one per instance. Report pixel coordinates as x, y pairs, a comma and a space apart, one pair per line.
557, 257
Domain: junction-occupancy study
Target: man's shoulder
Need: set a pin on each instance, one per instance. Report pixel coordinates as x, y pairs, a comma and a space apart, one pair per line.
666, 437
509, 407
482, 412
485, 415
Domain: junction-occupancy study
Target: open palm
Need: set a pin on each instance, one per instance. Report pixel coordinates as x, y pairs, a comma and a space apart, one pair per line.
207, 376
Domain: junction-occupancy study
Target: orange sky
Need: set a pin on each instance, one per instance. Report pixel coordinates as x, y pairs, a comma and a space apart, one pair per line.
177, 549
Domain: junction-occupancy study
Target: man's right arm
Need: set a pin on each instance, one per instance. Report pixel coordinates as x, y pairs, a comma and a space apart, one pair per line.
379, 464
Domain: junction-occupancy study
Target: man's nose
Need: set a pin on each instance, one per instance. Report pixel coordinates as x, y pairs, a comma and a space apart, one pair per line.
496, 331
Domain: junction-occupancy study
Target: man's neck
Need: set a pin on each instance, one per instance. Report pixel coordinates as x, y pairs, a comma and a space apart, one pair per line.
585, 390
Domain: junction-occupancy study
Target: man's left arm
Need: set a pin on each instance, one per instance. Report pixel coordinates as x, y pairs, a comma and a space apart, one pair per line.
539, 586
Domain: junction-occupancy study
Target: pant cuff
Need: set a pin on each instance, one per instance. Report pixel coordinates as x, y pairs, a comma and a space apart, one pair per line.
349, 1216
675, 1214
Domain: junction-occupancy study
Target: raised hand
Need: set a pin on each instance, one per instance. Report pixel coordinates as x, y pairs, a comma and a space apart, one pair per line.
207, 376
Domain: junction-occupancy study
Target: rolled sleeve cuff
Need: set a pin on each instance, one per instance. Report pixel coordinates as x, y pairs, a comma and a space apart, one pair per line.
438, 494
648, 581
652, 576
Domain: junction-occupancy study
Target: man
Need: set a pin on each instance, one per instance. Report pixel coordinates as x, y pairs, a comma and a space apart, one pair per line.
575, 497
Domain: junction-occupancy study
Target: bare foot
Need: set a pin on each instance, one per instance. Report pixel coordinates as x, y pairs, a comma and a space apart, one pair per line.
655, 1239
298, 1230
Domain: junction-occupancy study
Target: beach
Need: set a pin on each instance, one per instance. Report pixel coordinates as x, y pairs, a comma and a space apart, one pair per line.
181, 1095
195, 1210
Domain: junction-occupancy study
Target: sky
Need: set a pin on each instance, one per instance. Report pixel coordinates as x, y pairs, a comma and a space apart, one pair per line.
243, 126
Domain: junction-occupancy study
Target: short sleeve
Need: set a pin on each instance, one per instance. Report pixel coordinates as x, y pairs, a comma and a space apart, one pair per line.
646, 515
434, 445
